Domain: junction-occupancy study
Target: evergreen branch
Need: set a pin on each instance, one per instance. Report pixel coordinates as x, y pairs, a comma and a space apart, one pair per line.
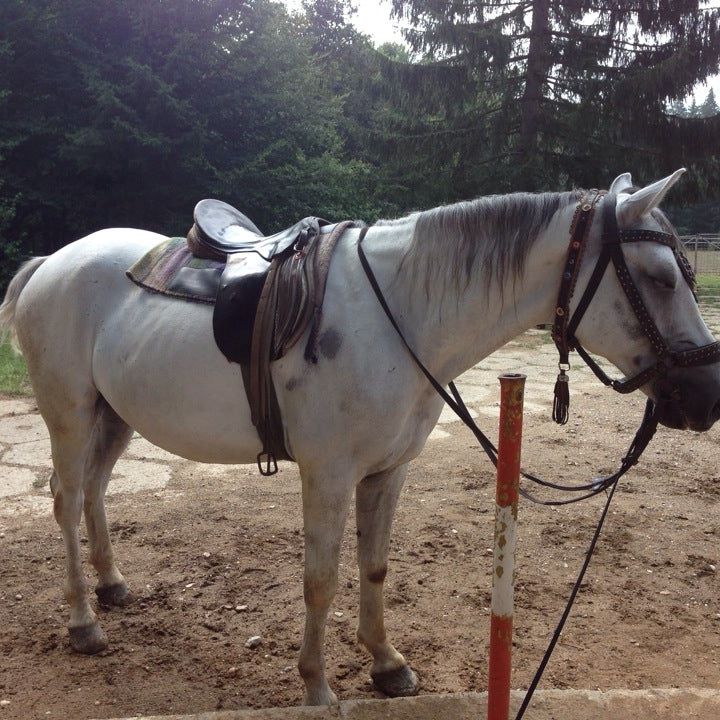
450, 131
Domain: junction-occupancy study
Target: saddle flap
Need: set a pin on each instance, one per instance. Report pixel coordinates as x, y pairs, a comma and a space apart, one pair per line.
236, 304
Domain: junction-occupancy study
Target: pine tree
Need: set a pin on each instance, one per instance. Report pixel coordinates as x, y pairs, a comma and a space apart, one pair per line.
709, 108
548, 92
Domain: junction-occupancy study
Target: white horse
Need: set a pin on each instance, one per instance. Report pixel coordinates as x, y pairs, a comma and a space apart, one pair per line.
106, 358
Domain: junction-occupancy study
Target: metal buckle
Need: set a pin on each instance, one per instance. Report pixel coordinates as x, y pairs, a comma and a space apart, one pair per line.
271, 466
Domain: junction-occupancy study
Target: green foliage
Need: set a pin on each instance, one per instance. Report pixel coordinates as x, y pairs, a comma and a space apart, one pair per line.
127, 113
697, 218
709, 284
708, 109
546, 93
13, 374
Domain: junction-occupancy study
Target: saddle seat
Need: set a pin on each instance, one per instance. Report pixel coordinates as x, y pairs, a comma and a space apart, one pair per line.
220, 230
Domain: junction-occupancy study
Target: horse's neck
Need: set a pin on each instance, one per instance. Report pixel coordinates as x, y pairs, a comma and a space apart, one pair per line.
456, 328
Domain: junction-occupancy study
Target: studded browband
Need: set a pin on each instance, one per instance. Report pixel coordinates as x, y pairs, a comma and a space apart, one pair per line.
564, 326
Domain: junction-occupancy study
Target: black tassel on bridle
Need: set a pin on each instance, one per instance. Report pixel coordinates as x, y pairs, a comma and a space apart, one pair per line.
561, 402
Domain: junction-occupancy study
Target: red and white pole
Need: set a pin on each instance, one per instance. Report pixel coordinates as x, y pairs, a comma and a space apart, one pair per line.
512, 389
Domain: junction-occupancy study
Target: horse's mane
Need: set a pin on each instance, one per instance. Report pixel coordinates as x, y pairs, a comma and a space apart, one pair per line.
492, 235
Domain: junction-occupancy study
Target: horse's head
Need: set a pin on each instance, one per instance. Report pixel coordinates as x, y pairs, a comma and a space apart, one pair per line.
643, 315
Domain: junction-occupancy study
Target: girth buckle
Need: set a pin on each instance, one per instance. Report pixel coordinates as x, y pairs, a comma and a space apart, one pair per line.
270, 466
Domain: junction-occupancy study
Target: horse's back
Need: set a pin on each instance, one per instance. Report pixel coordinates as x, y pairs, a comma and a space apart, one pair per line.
79, 267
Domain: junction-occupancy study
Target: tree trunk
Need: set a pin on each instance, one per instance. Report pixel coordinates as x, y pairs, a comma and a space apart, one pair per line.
538, 64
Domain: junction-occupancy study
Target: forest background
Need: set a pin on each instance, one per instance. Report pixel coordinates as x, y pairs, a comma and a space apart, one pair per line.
126, 113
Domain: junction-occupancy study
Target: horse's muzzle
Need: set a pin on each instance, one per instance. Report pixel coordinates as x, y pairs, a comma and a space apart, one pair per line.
689, 398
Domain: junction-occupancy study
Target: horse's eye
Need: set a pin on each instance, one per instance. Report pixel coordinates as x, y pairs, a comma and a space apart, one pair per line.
664, 282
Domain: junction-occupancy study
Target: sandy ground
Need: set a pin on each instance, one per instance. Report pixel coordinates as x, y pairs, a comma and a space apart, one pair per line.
214, 555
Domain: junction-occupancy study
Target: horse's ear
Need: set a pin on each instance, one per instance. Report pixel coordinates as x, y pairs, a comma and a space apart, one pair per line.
620, 183
634, 206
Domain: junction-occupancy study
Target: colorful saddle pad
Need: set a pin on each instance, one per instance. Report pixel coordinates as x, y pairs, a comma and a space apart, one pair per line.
171, 269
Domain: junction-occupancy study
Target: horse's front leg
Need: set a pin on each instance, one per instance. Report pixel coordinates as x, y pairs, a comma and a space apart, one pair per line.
326, 500
376, 499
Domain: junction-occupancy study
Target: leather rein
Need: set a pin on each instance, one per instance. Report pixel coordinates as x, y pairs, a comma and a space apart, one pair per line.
563, 333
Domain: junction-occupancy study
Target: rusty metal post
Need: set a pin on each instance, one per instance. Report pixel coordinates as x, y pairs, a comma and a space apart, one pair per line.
512, 389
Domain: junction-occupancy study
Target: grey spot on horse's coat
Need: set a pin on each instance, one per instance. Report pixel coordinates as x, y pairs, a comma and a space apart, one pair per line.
378, 576
637, 360
330, 342
292, 383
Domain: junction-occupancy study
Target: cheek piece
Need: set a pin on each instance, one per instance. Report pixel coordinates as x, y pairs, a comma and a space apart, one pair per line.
564, 327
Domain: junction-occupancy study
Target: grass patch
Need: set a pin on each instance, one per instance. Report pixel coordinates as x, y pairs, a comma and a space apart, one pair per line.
709, 283
13, 374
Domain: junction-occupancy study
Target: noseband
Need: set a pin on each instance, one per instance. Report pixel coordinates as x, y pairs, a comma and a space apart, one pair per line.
564, 326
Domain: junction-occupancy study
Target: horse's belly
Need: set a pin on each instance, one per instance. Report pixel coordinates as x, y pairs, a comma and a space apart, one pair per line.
156, 363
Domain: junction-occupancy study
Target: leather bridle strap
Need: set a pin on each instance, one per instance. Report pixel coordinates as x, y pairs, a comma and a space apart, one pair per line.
455, 402
611, 251
579, 229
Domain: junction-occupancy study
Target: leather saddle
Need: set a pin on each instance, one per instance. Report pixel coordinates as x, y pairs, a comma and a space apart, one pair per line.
271, 290
221, 232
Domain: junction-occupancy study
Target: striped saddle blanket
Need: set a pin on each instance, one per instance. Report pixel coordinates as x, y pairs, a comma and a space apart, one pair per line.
171, 269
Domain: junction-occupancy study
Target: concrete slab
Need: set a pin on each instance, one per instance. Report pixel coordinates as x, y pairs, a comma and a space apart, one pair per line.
34, 505
32, 452
22, 428
15, 407
142, 449
15, 481
653, 704
131, 476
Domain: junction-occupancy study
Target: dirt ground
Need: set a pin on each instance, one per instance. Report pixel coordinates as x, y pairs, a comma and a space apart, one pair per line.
216, 557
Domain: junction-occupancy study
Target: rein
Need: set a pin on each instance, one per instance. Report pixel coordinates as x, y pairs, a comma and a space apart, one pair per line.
457, 405
563, 334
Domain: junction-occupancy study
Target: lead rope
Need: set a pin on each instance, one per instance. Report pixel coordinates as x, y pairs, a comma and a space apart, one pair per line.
640, 442
456, 404
568, 606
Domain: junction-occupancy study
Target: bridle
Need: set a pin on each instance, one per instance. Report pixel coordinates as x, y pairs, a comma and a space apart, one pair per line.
563, 333
564, 326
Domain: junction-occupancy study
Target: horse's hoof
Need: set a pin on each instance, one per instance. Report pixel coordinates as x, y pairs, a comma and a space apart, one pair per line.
88, 639
401, 682
117, 595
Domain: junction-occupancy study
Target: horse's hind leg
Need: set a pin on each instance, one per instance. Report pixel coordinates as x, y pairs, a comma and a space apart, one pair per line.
71, 432
110, 438
376, 499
